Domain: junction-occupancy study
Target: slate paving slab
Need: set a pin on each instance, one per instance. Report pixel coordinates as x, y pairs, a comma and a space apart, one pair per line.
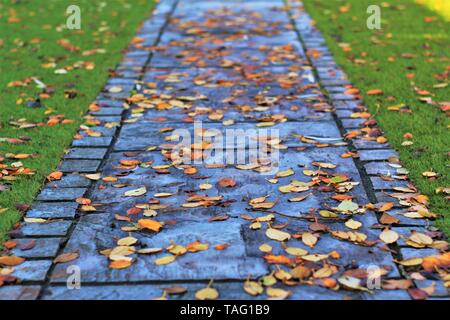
229, 65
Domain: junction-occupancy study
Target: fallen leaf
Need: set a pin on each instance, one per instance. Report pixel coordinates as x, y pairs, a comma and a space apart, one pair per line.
278, 235
207, 294
165, 260
11, 261
136, 193
389, 236
150, 225
66, 257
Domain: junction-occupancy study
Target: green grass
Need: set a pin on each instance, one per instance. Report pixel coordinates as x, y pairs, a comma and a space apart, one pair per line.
382, 66
29, 34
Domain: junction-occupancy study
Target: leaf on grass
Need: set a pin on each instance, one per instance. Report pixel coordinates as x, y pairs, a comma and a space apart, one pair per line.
353, 224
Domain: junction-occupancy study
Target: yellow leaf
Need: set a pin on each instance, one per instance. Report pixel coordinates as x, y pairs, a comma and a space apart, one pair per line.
266, 248
165, 260
296, 251
309, 239
207, 294
353, 224
253, 288
278, 235
128, 241
389, 236
286, 173
136, 193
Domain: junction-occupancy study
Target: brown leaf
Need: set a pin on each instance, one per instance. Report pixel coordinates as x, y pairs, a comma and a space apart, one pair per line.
417, 294
388, 219
227, 182
11, 261
219, 218
66, 257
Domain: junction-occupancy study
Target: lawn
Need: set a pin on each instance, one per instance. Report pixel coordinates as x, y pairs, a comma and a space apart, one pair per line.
409, 59
73, 64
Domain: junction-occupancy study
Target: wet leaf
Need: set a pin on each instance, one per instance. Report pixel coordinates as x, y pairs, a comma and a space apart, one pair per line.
11, 261
137, 192
66, 257
207, 294
253, 288
165, 260
278, 235
389, 236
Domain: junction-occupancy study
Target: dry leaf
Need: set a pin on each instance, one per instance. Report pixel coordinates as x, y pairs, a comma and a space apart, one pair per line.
389, 236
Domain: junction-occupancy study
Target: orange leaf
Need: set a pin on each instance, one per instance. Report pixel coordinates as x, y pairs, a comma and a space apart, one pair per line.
150, 225
11, 261
374, 92
227, 182
277, 259
120, 264
55, 176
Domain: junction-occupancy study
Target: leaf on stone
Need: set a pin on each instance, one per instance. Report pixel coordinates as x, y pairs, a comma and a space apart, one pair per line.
278, 235
347, 206
411, 262
136, 192
149, 224
389, 236
57, 175
128, 241
299, 199
300, 272
309, 239
296, 251
266, 248
66, 257
382, 207
253, 288
286, 173
388, 219
197, 246
227, 182
279, 294
11, 261
417, 294
421, 238
351, 283
207, 294
327, 214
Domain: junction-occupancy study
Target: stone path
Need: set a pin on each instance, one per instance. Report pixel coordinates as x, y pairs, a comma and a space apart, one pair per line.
232, 65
